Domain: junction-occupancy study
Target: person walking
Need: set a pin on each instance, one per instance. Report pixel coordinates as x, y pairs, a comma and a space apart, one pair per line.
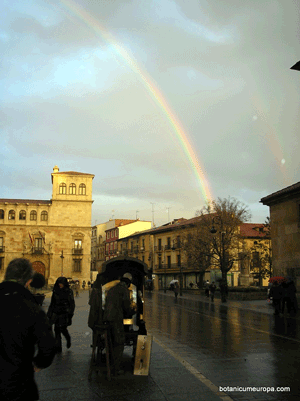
118, 304
212, 289
27, 343
77, 286
291, 290
276, 294
176, 289
61, 311
286, 299
206, 287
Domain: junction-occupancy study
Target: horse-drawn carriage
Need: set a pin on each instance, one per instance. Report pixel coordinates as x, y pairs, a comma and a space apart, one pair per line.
134, 326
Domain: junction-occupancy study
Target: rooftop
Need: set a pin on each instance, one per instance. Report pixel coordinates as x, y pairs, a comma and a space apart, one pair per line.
24, 201
281, 194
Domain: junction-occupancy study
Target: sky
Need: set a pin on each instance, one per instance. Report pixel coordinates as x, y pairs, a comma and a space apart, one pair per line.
169, 103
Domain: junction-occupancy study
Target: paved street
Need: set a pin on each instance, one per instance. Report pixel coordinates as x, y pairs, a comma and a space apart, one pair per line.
198, 346
232, 344
67, 378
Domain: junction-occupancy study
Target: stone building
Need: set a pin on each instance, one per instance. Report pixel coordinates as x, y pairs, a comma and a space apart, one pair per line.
285, 231
55, 235
162, 249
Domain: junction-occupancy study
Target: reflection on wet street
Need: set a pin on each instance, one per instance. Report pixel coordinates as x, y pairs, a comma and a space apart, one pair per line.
229, 345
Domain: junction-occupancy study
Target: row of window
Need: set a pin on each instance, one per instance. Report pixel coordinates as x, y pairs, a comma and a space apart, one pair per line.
22, 215
72, 189
112, 234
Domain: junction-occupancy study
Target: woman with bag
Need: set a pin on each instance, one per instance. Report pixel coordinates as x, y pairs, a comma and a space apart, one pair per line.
61, 311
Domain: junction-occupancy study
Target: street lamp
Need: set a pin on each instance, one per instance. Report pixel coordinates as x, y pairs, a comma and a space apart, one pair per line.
296, 66
213, 229
62, 262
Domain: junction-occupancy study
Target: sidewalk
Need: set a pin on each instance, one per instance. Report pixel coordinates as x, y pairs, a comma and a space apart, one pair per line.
67, 378
260, 306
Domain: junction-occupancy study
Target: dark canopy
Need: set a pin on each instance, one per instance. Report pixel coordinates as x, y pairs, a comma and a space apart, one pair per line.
114, 269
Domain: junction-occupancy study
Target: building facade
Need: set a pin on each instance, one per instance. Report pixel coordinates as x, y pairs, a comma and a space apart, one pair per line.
285, 231
119, 228
55, 235
163, 250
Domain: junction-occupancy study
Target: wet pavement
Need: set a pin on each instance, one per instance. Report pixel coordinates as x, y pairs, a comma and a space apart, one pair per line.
198, 346
233, 344
67, 378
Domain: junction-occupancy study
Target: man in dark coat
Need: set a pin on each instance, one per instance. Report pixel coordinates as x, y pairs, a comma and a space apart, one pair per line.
118, 305
212, 290
23, 326
95, 302
276, 293
61, 311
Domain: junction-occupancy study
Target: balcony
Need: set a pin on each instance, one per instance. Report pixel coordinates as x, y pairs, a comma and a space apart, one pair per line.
168, 247
77, 251
158, 248
2, 249
176, 245
37, 250
172, 266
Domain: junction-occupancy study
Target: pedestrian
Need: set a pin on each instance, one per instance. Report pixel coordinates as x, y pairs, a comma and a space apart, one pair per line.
176, 289
276, 294
95, 302
117, 306
83, 284
206, 287
292, 295
61, 311
286, 300
27, 343
212, 289
77, 288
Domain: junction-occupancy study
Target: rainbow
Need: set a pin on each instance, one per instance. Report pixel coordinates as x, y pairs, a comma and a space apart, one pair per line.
92, 23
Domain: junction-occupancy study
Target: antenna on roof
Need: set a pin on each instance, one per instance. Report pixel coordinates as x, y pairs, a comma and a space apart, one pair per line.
136, 214
152, 203
168, 209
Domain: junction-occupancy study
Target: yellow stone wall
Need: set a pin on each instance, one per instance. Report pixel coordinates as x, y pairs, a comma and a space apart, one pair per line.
69, 219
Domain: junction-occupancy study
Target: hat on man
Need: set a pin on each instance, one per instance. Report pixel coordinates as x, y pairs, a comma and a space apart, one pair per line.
128, 276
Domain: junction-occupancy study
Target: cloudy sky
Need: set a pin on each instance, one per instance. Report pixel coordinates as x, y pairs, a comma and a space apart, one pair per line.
168, 102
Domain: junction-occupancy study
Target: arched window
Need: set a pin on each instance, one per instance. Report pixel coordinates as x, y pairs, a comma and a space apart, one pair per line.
44, 215
62, 188
11, 215
72, 189
1, 214
22, 215
33, 215
82, 189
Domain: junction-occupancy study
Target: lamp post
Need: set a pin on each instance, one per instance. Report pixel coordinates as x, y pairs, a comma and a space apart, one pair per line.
62, 262
296, 66
181, 281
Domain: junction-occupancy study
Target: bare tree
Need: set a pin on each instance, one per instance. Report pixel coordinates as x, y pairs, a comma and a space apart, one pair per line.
220, 221
196, 246
261, 253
